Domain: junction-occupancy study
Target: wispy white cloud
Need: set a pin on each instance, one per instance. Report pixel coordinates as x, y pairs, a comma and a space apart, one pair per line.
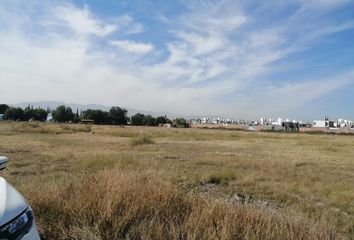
218, 58
133, 47
128, 25
82, 21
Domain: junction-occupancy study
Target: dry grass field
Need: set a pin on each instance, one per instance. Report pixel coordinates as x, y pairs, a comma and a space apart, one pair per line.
108, 182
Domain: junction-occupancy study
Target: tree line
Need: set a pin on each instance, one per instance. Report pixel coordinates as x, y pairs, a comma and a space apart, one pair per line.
19, 114
64, 114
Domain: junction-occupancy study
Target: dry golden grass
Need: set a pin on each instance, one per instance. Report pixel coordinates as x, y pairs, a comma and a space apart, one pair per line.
141, 141
91, 182
38, 127
116, 205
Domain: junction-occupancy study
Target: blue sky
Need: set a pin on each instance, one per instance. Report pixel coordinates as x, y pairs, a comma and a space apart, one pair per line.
244, 59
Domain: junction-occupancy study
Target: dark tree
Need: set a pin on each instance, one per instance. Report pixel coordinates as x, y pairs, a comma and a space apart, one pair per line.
41, 114
38, 114
63, 114
162, 120
98, 116
128, 119
181, 122
77, 117
16, 114
118, 115
3, 108
138, 119
28, 113
149, 121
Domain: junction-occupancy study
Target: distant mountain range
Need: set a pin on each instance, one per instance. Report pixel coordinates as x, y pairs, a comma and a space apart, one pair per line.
74, 106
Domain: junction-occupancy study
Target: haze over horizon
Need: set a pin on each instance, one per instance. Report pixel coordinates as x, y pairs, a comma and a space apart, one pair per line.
241, 59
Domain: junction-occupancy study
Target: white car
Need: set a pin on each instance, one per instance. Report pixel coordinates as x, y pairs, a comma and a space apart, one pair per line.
16, 217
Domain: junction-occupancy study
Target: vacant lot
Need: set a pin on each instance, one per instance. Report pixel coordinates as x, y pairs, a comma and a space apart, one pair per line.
106, 182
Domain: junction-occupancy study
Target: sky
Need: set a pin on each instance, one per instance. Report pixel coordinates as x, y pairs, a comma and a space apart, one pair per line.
233, 58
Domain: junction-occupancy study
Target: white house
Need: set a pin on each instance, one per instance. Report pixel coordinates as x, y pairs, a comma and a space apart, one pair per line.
319, 123
264, 121
278, 122
326, 123
343, 123
204, 120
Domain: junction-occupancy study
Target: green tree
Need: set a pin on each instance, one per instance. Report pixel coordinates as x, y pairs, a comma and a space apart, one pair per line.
138, 119
149, 121
77, 117
118, 115
63, 114
38, 114
98, 116
16, 114
3, 108
181, 122
162, 120
41, 114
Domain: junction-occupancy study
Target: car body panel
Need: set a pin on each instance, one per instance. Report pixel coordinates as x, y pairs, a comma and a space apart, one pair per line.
11, 202
32, 235
3, 162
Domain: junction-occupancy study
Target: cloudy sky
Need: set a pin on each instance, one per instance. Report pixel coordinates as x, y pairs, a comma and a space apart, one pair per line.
239, 58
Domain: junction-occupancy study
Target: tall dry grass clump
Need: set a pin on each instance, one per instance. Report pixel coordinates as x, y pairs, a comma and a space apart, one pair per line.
143, 140
114, 205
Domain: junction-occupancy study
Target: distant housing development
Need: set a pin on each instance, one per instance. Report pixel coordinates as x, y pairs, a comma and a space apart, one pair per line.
326, 123
92, 116
279, 124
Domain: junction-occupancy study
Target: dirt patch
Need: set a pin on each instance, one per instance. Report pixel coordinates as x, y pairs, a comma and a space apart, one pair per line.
207, 190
